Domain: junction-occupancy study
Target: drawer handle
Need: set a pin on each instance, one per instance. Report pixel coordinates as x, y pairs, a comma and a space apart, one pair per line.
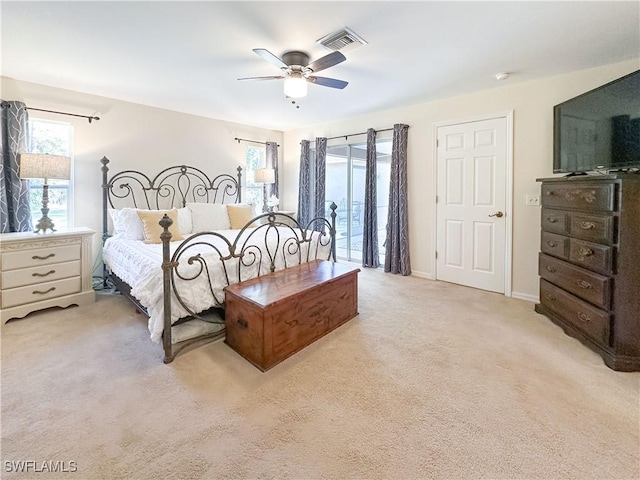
585, 252
552, 244
37, 257
550, 269
552, 219
583, 284
587, 225
549, 296
38, 292
36, 274
584, 317
242, 322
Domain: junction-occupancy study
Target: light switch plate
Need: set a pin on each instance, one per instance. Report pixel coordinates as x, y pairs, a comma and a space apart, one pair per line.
532, 200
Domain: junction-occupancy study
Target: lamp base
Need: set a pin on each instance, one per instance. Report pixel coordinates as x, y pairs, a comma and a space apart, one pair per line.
265, 207
44, 224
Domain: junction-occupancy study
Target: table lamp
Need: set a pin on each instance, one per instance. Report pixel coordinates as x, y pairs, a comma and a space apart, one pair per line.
47, 167
264, 176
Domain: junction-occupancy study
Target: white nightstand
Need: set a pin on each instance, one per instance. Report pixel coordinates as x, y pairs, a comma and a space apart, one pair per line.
44, 270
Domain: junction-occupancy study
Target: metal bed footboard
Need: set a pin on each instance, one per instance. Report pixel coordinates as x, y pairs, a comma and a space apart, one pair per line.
254, 248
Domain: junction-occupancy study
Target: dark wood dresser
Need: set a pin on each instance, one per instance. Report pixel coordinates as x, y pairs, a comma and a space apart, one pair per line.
589, 263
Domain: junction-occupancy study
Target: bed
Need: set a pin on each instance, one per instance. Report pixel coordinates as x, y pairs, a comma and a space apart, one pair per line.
174, 241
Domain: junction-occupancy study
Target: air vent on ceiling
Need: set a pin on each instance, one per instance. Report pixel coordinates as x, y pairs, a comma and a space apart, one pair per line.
344, 39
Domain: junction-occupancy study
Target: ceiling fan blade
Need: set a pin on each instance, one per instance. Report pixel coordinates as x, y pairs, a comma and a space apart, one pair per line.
270, 57
327, 61
328, 82
262, 78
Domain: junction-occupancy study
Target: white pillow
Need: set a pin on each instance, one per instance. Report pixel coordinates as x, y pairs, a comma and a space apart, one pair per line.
184, 221
207, 217
127, 224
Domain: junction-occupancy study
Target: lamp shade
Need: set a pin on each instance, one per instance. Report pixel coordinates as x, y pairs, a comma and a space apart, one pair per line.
41, 165
265, 175
295, 86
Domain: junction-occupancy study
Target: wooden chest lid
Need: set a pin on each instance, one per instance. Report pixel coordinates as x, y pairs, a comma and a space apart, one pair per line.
290, 282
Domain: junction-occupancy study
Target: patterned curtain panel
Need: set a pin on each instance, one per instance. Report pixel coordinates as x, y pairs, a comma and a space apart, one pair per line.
397, 243
370, 257
272, 162
304, 185
320, 180
15, 215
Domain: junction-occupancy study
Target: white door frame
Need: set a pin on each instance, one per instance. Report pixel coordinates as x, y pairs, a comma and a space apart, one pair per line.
508, 191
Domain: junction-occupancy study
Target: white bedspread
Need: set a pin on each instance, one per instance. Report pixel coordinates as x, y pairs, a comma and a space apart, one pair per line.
139, 265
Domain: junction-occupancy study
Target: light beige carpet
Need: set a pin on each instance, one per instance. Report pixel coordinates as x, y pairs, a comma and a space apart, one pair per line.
431, 380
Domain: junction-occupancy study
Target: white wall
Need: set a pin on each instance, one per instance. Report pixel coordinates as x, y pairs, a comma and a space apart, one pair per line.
532, 105
133, 136
149, 139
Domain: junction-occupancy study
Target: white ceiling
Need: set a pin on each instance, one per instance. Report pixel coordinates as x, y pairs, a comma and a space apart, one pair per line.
187, 56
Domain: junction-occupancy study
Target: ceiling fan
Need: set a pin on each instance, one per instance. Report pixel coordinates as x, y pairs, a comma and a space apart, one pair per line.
297, 71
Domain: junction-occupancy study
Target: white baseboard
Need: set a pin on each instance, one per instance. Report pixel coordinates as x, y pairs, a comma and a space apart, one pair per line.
518, 295
526, 296
428, 276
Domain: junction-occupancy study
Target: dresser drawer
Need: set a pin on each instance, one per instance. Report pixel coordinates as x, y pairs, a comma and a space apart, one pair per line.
595, 228
44, 273
40, 256
41, 291
587, 285
556, 245
598, 258
555, 221
588, 319
579, 196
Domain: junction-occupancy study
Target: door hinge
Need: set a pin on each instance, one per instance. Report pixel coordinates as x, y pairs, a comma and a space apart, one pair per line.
436, 198
437, 142
436, 254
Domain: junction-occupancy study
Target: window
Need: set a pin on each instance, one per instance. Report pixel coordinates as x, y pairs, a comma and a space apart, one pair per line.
55, 138
256, 158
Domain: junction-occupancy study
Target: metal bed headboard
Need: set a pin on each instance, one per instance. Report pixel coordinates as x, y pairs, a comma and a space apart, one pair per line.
172, 187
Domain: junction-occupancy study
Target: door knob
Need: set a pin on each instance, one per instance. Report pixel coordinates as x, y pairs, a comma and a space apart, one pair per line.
497, 214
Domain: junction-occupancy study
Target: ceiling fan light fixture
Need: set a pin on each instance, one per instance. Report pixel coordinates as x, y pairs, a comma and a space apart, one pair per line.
295, 85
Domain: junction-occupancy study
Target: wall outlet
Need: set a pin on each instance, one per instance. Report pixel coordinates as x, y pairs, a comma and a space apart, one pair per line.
532, 200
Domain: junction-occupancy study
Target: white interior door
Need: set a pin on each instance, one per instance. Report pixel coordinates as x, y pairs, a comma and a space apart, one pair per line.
471, 204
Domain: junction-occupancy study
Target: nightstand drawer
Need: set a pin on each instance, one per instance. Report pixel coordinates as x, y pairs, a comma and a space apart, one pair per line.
41, 291
41, 256
44, 273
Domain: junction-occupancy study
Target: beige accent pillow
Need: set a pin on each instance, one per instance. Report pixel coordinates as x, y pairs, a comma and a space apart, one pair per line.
239, 215
152, 229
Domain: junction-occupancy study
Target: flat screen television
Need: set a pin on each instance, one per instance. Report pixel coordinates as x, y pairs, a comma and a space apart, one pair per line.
600, 129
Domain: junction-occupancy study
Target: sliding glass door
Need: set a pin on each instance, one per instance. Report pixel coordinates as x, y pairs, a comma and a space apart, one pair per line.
345, 185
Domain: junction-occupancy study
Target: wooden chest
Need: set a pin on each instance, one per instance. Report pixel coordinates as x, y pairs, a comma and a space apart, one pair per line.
274, 316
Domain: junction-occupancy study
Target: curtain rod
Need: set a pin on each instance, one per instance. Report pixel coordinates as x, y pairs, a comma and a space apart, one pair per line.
354, 134
252, 141
89, 117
